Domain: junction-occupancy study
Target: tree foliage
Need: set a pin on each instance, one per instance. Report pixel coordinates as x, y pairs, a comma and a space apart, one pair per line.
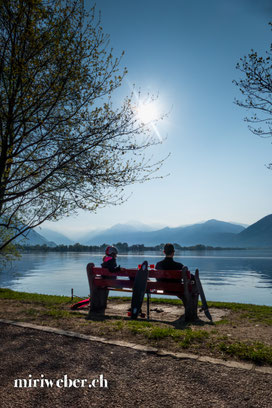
256, 88
63, 146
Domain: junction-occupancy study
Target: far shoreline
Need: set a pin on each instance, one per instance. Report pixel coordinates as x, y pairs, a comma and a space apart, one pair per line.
124, 248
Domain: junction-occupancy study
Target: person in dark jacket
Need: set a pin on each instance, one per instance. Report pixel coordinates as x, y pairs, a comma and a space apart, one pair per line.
109, 260
168, 263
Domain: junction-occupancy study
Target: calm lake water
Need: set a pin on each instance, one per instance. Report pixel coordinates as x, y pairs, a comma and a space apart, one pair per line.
234, 276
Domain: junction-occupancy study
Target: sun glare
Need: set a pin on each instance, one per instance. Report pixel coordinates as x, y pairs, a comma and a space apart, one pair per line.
147, 112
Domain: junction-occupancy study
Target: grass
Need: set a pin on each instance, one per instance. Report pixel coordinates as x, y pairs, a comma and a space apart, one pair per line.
152, 331
222, 322
152, 300
184, 337
34, 298
261, 314
32, 312
58, 314
255, 352
252, 311
256, 312
202, 339
52, 304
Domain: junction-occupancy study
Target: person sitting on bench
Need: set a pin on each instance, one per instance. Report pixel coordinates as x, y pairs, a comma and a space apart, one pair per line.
168, 263
109, 260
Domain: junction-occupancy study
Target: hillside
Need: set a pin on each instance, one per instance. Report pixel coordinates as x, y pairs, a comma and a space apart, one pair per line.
33, 238
57, 237
258, 234
211, 232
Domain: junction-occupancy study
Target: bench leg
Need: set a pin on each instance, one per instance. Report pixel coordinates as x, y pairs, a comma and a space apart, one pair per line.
192, 313
148, 304
99, 296
190, 299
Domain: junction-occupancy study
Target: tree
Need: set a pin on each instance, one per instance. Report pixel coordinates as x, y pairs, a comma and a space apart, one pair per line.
256, 88
62, 144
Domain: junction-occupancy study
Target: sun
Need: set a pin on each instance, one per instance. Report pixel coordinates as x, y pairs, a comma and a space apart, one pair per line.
147, 112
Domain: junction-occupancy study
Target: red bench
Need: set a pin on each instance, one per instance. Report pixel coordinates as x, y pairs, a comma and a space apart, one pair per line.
101, 281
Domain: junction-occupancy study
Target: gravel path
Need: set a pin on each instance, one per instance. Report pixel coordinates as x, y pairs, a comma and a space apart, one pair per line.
135, 379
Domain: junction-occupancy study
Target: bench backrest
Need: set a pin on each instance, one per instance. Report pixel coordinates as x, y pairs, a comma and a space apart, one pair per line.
124, 280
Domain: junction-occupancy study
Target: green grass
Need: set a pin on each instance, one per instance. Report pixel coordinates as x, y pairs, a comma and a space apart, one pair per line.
50, 312
241, 307
152, 300
39, 306
259, 316
256, 313
32, 312
185, 338
119, 325
260, 311
222, 322
57, 314
35, 298
136, 326
153, 332
255, 352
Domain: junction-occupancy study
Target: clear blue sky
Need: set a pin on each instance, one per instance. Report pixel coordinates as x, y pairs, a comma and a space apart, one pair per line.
187, 51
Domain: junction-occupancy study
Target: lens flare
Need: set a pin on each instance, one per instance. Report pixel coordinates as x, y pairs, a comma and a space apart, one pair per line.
147, 112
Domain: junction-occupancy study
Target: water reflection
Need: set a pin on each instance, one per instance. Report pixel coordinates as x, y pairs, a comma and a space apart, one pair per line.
238, 276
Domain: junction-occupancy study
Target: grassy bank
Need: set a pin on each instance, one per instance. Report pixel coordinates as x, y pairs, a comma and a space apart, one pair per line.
243, 332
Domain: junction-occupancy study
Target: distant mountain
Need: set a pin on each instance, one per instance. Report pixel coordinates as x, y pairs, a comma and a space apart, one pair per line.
33, 238
208, 233
117, 233
135, 226
57, 237
212, 232
258, 234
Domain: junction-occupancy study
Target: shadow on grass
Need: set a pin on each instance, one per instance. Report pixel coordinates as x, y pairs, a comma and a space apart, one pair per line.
179, 323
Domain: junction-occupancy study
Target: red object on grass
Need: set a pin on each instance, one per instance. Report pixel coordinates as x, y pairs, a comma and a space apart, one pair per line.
80, 304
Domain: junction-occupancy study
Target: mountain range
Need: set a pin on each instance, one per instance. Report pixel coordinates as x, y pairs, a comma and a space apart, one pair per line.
31, 237
56, 237
206, 233
211, 232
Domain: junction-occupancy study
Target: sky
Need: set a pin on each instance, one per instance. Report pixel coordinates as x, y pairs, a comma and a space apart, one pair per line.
187, 51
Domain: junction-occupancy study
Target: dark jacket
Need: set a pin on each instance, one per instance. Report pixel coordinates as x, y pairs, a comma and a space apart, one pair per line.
168, 264
110, 264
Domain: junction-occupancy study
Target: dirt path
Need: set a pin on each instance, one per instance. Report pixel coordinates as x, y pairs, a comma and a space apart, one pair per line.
135, 379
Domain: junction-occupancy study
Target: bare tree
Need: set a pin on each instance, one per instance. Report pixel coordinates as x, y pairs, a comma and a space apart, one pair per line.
256, 88
62, 144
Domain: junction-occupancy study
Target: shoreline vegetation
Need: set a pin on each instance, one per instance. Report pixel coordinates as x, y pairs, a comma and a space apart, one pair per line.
242, 332
122, 248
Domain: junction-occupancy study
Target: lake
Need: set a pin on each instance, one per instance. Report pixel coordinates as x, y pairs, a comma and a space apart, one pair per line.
228, 275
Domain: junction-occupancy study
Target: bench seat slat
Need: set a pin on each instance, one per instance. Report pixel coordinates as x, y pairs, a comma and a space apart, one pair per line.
166, 287
151, 286
102, 278
174, 274
105, 272
113, 283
